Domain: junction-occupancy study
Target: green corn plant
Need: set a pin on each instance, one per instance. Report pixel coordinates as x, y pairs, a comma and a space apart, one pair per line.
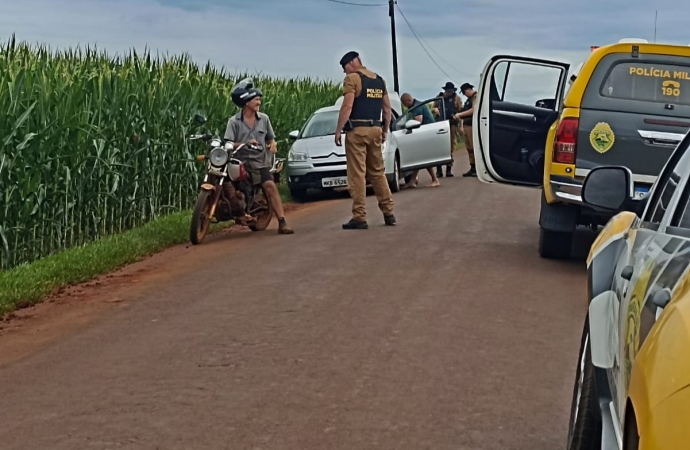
92, 145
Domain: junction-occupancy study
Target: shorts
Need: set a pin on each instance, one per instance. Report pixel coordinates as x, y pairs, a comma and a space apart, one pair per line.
260, 176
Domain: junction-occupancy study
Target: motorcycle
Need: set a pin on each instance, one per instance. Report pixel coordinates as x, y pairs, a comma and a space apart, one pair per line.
227, 192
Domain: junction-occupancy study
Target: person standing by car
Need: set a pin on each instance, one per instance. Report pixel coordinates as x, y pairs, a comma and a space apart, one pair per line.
365, 103
423, 115
448, 106
465, 118
254, 127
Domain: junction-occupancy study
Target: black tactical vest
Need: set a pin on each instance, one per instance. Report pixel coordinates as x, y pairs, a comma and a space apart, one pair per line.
449, 108
369, 103
466, 107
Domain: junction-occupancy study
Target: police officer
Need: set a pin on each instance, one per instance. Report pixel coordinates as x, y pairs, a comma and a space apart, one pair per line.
465, 115
448, 106
365, 102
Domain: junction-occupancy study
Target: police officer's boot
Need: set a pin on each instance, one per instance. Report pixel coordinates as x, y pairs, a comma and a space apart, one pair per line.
439, 171
470, 173
449, 172
355, 225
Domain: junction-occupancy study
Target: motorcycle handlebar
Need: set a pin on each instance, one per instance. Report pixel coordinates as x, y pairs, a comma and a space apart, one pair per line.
203, 137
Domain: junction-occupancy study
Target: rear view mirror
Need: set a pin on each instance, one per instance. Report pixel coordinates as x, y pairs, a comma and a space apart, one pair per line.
412, 124
294, 134
199, 119
608, 187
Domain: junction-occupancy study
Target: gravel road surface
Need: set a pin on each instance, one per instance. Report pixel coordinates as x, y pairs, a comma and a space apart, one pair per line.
445, 332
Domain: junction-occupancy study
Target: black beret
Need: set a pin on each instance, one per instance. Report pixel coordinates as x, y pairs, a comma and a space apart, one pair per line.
349, 56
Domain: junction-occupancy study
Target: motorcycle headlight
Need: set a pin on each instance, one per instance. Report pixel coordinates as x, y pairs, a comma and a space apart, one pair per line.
218, 157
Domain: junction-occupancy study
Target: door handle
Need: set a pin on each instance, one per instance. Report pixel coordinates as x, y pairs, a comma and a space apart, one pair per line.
627, 272
442, 132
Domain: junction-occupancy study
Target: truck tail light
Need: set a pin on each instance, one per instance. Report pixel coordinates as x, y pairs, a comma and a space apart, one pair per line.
564, 148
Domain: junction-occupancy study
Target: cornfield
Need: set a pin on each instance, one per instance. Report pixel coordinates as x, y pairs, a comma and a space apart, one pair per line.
92, 145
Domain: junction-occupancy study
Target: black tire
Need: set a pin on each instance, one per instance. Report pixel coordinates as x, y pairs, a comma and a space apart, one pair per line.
263, 220
395, 184
554, 244
584, 429
299, 195
200, 222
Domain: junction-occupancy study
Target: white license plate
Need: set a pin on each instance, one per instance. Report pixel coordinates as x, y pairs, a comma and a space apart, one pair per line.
334, 182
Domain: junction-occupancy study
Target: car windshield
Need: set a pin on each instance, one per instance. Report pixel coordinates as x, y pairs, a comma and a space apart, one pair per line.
321, 124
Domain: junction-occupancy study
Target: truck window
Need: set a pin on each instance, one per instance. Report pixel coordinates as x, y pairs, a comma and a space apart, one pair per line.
663, 83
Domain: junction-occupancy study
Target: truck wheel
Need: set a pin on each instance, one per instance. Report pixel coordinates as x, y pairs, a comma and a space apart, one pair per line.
555, 244
584, 432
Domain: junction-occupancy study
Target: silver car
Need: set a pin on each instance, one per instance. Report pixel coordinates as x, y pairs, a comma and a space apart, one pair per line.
315, 162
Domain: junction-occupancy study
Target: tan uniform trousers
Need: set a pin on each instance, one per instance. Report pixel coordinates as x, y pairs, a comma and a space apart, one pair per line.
469, 143
364, 160
454, 133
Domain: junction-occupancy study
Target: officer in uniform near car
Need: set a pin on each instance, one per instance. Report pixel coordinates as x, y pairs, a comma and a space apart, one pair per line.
465, 115
364, 104
448, 106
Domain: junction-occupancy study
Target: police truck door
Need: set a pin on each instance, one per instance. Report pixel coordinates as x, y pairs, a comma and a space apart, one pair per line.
519, 100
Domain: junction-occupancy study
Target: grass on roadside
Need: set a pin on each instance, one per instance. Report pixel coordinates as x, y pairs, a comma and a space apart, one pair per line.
29, 284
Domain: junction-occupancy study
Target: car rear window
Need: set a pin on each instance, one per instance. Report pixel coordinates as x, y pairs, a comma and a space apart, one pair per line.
663, 83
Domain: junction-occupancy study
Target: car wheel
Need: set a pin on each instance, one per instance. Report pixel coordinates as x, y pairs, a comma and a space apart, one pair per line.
554, 244
299, 195
395, 184
584, 431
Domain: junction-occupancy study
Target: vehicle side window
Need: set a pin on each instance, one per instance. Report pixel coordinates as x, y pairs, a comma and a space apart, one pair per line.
667, 185
399, 124
410, 114
510, 77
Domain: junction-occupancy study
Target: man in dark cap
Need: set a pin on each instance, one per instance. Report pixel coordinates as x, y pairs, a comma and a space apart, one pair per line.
465, 118
449, 105
365, 115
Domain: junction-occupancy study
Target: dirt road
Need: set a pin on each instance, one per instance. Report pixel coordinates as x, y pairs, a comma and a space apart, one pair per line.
445, 332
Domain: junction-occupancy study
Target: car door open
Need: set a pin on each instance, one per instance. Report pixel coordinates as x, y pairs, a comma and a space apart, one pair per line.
422, 146
519, 100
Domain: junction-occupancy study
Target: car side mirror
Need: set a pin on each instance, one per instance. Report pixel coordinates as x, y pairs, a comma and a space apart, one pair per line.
546, 103
412, 124
199, 119
294, 134
608, 187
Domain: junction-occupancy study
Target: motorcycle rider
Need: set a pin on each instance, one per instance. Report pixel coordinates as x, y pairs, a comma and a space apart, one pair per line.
253, 127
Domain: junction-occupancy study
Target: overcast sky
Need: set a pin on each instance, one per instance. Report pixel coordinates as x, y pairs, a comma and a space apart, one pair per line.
308, 37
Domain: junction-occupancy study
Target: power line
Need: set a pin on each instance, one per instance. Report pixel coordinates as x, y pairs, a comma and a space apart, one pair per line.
459, 72
420, 39
357, 4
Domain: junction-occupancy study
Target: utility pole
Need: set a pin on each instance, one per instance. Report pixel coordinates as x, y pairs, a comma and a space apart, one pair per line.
656, 15
391, 13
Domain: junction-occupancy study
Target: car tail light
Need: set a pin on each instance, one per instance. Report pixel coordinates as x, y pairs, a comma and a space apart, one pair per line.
566, 141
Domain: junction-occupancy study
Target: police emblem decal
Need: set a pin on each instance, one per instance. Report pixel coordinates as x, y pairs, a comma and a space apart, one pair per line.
601, 137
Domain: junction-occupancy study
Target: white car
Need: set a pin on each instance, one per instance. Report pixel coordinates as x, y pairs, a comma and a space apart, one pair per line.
315, 162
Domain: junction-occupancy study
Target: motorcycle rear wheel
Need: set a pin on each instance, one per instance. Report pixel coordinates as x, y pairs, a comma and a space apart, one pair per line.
200, 217
263, 219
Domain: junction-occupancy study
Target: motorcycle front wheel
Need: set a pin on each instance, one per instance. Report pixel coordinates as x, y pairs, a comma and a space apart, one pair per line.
201, 218
263, 218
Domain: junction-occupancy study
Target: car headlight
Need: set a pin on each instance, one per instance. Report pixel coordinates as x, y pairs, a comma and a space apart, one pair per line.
218, 157
297, 156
